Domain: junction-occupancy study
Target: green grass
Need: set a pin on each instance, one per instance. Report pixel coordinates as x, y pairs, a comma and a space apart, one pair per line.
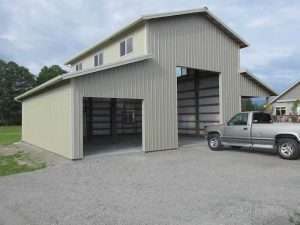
9, 134
18, 163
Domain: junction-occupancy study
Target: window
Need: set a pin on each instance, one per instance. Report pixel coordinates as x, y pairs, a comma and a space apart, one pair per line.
253, 103
181, 71
78, 67
126, 46
240, 119
262, 118
129, 45
98, 59
280, 111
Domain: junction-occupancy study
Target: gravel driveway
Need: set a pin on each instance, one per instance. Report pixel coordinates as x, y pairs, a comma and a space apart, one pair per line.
187, 186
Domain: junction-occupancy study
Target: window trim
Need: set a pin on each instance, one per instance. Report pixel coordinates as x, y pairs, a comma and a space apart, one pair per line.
125, 40
78, 66
98, 58
280, 109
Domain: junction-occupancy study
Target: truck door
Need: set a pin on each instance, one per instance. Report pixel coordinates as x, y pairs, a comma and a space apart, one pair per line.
238, 130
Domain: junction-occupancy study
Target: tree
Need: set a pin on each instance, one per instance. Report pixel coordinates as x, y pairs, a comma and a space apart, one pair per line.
48, 73
14, 80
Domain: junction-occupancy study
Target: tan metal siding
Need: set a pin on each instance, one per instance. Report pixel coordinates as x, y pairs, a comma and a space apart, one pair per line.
139, 81
250, 88
294, 93
193, 41
111, 52
46, 120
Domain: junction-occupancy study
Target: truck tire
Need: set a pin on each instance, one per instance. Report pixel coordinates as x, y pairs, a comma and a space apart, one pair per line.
288, 148
214, 142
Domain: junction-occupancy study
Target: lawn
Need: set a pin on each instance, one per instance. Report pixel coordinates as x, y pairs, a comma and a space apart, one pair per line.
9, 134
18, 163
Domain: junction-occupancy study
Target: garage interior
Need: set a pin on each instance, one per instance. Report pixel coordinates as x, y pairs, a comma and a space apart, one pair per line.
112, 124
198, 103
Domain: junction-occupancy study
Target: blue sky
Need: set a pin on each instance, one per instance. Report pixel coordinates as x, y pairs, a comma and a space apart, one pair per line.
43, 32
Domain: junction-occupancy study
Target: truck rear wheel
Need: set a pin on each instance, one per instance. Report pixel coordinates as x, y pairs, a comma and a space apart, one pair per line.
214, 142
288, 148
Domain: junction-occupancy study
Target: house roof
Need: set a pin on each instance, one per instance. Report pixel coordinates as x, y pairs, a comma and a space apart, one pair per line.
251, 76
70, 75
285, 91
203, 11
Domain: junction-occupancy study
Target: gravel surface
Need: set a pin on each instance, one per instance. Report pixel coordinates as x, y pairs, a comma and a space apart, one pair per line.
189, 186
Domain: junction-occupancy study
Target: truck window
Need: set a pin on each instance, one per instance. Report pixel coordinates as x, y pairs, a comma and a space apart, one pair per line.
240, 119
262, 118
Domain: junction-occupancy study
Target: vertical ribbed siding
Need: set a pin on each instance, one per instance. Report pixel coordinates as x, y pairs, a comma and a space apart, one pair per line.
46, 120
250, 88
194, 42
190, 41
135, 81
293, 93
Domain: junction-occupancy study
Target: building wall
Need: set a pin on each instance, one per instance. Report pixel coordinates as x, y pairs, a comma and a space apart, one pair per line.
249, 88
133, 81
192, 41
288, 105
293, 94
46, 120
111, 51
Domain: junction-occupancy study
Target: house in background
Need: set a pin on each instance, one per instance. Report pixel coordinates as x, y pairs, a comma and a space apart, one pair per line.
288, 102
147, 86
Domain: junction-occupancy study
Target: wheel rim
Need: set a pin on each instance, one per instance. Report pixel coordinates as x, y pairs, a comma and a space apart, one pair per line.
286, 149
213, 142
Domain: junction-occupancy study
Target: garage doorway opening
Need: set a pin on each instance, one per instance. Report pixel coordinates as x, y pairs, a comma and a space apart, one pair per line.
198, 103
112, 125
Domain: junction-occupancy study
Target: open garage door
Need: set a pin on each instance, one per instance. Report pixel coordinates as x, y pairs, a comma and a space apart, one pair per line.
112, 124
198, 102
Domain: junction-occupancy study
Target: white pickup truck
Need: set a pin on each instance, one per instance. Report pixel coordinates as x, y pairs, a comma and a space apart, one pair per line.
256, 130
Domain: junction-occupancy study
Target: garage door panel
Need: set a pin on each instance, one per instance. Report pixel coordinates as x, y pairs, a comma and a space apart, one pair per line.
186, 117
209, 109
186, 102
189, 94
208, 92
101, 132
209, 117
209, 82
186, 110
187, 85
209, 100
187, 131
187, 125
203, 125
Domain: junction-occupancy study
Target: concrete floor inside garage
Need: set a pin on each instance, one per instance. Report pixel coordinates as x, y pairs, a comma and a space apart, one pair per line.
133, 143
112, 125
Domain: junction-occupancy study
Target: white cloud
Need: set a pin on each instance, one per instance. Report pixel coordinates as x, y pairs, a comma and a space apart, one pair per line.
42, 32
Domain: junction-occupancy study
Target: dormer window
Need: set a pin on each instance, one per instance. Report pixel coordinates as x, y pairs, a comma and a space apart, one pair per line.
78, 67
126, 46
98, 59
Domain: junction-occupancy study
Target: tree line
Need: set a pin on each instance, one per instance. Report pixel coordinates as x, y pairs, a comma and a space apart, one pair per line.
15, 80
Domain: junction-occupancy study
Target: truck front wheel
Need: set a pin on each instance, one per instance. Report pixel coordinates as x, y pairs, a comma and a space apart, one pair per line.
214, 142
288, 148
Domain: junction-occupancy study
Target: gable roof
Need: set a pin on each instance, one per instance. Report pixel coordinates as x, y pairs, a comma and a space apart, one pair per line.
254, 78
203, 11
285, 91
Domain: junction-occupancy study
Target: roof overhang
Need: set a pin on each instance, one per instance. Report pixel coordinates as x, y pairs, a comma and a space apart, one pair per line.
285, 91
252, 77
71, 75
203, 11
